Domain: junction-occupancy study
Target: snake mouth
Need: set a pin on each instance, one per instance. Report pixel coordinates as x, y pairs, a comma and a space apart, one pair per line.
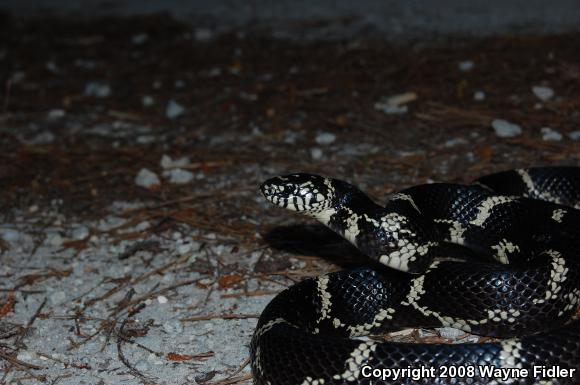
296, 192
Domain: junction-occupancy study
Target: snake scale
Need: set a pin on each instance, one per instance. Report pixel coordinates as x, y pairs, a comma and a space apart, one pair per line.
498, 257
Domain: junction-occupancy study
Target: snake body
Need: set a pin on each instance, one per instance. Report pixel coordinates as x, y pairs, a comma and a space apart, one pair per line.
498, 258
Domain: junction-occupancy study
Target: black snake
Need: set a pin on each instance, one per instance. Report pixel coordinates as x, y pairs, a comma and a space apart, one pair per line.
496, 258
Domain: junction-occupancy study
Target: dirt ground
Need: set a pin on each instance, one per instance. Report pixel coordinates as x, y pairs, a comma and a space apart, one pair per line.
112, 275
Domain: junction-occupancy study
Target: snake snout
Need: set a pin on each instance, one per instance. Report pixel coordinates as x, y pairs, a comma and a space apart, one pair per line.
297, 192
275, 191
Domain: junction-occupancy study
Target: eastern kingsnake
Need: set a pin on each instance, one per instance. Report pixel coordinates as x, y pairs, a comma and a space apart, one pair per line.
496, 258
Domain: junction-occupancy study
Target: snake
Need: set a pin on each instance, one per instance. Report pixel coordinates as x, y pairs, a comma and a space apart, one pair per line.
497, 257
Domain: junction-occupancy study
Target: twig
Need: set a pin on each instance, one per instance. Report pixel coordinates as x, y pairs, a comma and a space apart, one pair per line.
29, 324
218, 316
17, 362
124, 360
234, 380
255, 293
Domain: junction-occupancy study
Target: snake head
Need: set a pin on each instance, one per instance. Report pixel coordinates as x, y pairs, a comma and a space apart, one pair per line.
301, 192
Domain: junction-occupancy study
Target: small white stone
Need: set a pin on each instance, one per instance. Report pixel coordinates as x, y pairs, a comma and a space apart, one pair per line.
214, 72
44, 137
543, 93
56, 240
57, 297
172, 327
33, 209
549, 134
98, 89
454, 142
184, 249
466, 65
325, 138
25, 355
147, 178
451, 333
178, 176
574, 135
316, 153
80, 233
52, 67
18, 77
142, 366
479, 96
166, 162
391, 109
203, 34
139, 38
162, 299
174, 109
56, 113
10, 235
505, 129
147, 100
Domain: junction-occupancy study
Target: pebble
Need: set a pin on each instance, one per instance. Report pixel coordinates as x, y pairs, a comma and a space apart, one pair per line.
18, 77
543, 93
391, 109
162, 299
139, 38
203, 34
214, 72
56, 240
57, 297
454, 142
479, 96
174, 109
166, 162
56, 113
146, 178
98, 89
325, 138
549, 134
316, 153
147, 100
505, 129
44, 137
52, 67
24, 355
184, 248
452, 333
142, 366
80, 233
465, 66
10, 235
178, 176
574, 135
172, 327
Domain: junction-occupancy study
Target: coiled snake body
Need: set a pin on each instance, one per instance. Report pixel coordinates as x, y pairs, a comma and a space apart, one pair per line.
496, 258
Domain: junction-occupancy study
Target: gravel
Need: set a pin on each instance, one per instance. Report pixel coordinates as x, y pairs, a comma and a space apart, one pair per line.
505, 129
551, 135
543, 93
147, 178
325, 138
174, 110
160, 330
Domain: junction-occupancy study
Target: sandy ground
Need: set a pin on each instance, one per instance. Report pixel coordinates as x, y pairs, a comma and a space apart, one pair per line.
135, 247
